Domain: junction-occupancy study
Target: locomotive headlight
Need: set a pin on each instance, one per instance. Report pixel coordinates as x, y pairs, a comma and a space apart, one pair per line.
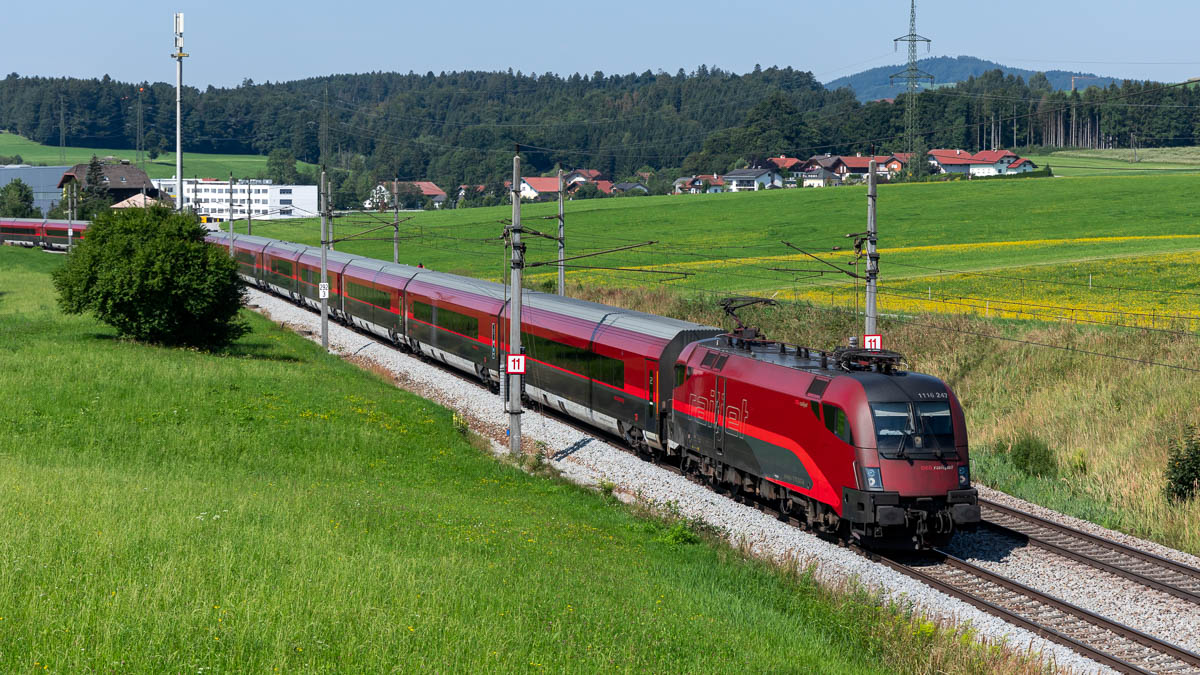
874, 478
964, 476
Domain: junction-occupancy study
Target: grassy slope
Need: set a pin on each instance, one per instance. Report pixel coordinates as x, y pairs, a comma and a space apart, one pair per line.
194, 163
274, 508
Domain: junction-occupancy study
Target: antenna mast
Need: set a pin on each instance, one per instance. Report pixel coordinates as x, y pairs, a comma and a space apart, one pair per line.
912, 75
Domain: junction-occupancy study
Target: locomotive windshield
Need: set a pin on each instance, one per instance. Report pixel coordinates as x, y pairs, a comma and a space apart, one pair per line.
914, 429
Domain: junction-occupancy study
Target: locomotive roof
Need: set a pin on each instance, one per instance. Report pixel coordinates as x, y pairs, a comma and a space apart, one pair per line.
895, 385
633, 320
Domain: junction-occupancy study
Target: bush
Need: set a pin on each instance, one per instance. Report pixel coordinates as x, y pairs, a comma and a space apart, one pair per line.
1032, 456
1183, 466
149, 274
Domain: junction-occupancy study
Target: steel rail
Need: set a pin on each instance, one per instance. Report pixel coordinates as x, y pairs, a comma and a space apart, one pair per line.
1143, 567
1056, 620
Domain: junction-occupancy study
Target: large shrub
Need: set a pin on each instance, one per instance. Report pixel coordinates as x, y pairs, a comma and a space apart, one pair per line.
1032, 456
149, 274
1183, 466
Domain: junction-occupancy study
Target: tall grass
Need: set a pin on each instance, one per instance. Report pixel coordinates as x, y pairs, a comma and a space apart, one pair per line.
273, 508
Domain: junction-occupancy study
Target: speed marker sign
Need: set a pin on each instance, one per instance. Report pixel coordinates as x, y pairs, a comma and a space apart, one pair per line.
516, 364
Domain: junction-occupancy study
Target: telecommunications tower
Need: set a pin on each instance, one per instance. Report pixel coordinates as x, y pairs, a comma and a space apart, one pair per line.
179, 56
912, 75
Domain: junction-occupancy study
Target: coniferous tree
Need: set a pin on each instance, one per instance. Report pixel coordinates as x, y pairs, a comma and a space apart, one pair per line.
16, 200
95, 196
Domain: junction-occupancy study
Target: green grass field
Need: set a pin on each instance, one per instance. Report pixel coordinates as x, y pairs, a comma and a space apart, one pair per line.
732, 243
194, 163
272, 508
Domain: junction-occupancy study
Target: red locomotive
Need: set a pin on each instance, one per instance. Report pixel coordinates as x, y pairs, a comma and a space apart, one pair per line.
846, 441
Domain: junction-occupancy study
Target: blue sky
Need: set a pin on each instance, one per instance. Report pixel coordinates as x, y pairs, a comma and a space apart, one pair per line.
275, 40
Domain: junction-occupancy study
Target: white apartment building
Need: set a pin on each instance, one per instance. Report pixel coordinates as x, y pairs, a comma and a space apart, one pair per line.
265, 200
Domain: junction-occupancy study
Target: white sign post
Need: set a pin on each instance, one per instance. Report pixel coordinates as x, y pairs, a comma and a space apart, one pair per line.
323, 290
874, 342
516, 364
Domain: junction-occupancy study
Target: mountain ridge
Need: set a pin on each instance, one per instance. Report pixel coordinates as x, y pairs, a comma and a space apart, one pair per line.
873, 84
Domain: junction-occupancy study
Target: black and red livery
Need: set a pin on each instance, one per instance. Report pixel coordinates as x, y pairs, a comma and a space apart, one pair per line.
846, 441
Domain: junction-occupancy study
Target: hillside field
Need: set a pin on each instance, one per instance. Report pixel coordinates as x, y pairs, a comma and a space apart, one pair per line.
733, 243
194, 163
1119, 161
271, 508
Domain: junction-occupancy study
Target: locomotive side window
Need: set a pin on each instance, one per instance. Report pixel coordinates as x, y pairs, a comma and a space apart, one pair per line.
721, 362
680, 373
709, 359
816, 409
837, 422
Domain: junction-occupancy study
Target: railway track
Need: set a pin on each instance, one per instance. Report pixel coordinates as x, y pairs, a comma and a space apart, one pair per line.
1136, 565
1116, 645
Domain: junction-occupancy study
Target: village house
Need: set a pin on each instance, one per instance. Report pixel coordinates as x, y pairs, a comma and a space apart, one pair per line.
381, 195
743, 180
619, 188
694, 185
982, 163
122, 179
819, 177
830, 163
535, 188
581, 176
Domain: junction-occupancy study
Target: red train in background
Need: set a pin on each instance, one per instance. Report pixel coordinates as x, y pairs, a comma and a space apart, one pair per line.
846, 441
52, 234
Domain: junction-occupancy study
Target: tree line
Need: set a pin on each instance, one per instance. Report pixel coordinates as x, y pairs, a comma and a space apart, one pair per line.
462, 127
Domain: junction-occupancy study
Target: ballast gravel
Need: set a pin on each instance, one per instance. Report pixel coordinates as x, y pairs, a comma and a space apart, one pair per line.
590, 460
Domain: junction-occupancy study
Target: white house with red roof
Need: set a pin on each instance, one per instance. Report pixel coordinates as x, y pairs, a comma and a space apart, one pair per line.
982, 163
381, 196
539, 187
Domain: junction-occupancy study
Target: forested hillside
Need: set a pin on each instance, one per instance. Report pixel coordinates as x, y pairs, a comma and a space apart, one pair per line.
461, 127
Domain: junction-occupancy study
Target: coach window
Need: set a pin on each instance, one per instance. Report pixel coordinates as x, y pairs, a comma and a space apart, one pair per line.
837, 422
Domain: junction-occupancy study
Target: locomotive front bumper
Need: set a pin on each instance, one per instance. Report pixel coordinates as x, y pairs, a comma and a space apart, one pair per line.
862, 507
